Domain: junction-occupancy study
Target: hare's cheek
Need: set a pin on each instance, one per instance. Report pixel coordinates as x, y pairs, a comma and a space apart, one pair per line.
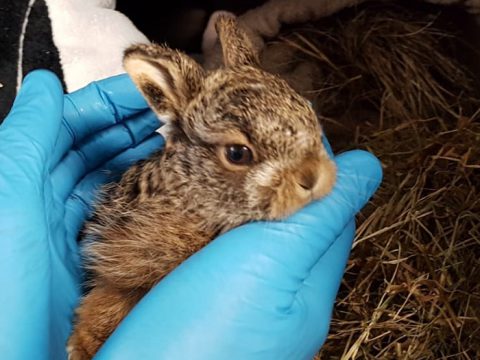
326, 180
279, 192
274, 192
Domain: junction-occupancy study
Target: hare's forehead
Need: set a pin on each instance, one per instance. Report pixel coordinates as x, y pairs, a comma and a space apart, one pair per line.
286, 139
278, 133
263, 106
265, 100
250, 84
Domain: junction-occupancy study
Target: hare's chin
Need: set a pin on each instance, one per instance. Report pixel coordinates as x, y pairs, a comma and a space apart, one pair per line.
285, 207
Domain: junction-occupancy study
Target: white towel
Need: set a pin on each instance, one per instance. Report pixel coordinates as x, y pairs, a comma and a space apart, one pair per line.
90, 37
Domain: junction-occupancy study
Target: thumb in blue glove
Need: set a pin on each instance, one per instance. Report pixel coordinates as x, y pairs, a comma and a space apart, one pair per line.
55, 151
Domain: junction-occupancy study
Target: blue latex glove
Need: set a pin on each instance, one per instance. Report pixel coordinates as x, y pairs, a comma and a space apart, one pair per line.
55, 150
261, 291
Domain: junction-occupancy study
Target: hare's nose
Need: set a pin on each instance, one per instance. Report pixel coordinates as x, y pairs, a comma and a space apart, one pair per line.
307, 179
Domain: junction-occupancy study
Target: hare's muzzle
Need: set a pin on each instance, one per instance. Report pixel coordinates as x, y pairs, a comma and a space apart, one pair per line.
315, 177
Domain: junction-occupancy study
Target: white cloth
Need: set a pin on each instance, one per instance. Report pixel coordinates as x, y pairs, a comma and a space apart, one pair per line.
90, 36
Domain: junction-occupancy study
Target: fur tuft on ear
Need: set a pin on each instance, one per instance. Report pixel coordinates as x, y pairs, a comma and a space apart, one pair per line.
167, 78
237, 47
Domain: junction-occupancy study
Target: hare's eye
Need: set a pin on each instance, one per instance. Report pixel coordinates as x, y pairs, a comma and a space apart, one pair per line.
238, 154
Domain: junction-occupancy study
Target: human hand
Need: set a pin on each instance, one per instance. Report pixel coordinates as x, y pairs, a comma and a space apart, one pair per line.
55, 151
281, 277
261, 291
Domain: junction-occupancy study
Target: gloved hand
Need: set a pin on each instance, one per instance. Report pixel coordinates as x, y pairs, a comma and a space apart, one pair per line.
261, 291
55, 150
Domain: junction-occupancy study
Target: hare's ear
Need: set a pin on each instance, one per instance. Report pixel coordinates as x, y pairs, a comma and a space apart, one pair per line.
167, 78
237, 47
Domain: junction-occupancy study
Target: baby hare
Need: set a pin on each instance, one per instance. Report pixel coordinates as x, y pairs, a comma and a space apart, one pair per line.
242, 146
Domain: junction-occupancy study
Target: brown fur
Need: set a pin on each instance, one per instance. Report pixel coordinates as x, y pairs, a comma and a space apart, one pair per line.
161, 211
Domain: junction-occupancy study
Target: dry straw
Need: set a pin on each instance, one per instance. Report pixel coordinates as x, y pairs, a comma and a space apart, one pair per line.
382, 79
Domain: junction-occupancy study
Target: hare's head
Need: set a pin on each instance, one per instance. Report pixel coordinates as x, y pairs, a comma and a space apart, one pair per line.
244, 142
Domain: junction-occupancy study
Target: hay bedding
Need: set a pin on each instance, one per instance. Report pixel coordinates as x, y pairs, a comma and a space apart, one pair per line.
386, 81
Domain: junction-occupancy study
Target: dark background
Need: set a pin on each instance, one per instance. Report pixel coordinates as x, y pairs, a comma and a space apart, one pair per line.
180, 23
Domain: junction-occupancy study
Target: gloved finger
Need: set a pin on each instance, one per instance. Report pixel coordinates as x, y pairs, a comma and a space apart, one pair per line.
29, 132
99, 148
97, 106
80, 202
317, 295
